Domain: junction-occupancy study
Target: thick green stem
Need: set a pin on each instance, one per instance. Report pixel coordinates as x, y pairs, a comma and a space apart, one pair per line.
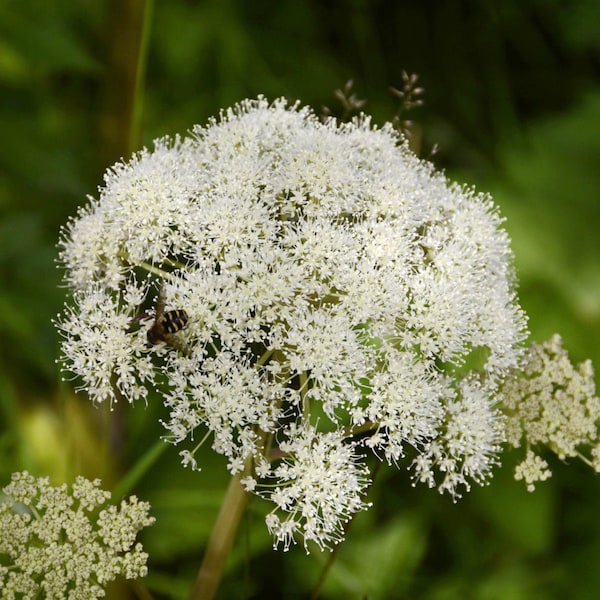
221, 541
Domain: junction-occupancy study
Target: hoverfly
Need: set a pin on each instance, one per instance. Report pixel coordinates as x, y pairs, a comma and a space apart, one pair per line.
166, 324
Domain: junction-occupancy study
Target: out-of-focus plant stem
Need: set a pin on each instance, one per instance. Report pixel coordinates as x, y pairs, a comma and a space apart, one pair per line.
128, 27
221, 540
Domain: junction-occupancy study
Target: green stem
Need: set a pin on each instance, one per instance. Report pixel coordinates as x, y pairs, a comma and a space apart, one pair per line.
324, 572
152, 269
141, 467
142, 264
585, 459
366, 427
303, 381
221, 540
264, 358
140, 76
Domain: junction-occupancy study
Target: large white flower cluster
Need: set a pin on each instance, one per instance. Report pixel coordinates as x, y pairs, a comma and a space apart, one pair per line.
334, 284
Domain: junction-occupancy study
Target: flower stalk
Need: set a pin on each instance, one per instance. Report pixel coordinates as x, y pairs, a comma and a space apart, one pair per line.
221, 540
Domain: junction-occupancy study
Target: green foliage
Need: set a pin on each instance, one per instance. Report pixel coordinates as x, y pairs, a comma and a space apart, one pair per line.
547, 186
511, 99
44, 68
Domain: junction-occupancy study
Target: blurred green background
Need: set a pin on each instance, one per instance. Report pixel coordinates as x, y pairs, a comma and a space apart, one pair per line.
512, 103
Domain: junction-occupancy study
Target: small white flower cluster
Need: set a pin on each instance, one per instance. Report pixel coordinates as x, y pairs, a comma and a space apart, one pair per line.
469, 442
319, 486
52, 546
551, 403
329, 276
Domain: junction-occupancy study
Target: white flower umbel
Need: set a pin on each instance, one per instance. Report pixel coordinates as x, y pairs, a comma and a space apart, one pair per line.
329, 277
320, 484
550, 403
468, 443
53, 545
